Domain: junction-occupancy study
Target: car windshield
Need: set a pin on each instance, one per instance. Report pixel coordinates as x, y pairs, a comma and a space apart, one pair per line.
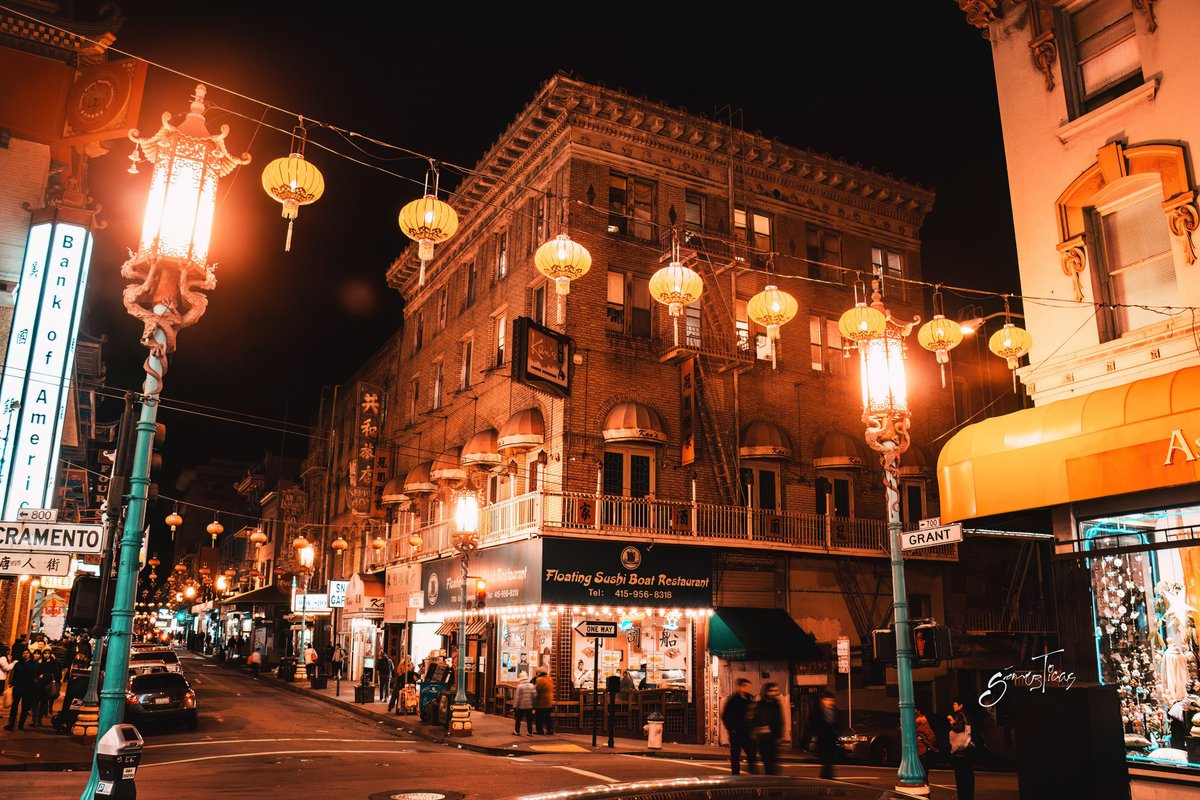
161, 682
161, 656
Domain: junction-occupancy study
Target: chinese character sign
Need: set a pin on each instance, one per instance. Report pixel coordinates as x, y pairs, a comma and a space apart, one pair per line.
368, 422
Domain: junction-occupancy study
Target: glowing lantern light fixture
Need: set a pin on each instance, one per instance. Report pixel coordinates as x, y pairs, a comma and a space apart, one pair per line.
338, 545
428, 221
1010, 343
258, 538
299, 543
215, 529
676, 286
940, 335
771, 308
174, 520
293, 182
562, 260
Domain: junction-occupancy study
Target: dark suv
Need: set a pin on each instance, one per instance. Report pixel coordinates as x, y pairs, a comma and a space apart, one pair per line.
161, 695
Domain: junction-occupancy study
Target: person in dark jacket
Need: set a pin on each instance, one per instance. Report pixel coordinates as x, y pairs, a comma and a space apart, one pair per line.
822, 726
962, 758
735, 716
767, 728
24, 685
405, 676
47, 686
19, 646
383, 672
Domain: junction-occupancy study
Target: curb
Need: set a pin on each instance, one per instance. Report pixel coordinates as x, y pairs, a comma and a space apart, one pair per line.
48, 766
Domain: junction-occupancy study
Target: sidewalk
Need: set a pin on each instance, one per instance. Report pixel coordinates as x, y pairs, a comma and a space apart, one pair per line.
493, 735
42, 748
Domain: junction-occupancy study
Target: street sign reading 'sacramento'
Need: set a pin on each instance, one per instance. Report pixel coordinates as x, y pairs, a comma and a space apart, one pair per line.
51, 538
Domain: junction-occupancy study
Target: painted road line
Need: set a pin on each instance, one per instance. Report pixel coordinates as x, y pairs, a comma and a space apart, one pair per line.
596, 776
277, 753
679, 761
286, 739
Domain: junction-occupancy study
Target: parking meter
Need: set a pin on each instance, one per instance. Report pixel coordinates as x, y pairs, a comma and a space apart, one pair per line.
118, 754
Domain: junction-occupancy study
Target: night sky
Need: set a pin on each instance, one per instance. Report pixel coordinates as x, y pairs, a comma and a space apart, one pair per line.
903, 88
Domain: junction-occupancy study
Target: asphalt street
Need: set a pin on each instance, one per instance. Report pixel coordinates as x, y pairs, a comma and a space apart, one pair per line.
257, 741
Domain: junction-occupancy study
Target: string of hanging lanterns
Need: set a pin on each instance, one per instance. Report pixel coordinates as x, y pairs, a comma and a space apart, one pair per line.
1010, 342
676, 286
940, 335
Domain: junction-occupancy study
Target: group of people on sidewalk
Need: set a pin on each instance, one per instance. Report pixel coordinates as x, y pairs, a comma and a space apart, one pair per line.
31, 680
533, 701
755, 728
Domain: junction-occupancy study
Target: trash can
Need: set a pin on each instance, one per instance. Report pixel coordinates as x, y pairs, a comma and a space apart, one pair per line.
318, 682
363, 693
653, 729
287, 669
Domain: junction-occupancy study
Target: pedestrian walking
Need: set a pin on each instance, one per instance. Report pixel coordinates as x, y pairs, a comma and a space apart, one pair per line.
6, 668
962, 751
523, 700
24, 685
255, 662
735, 716
767, 727
310, 662
338, 661
926, 740
543, 704
47, 686
383, 673
822, 728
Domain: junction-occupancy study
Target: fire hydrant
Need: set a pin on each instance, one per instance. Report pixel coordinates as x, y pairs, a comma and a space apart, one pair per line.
653, 729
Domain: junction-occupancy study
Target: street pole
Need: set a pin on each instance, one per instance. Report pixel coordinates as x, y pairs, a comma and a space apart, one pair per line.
911, 775
460, 696
116, 663
595, 689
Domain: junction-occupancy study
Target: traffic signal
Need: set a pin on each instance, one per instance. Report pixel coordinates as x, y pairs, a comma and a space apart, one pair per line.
480, 593
154, 468
930, 643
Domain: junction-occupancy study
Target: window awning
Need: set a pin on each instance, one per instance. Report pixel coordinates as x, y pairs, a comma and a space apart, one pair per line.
393, 494
837, 451
523, 431
482, 450
447, 468
266, 596
418, 482
743, 634
764, 440
634, 422
475, 627
1138, 436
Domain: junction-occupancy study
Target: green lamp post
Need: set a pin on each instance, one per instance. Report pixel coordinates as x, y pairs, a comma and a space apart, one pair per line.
168, 274
880, 341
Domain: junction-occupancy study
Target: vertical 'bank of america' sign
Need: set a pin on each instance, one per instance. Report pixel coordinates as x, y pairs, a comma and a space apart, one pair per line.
35, 389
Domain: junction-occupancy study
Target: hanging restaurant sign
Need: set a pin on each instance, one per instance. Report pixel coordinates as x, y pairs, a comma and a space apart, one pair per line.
687, 410
541, 357
368, 420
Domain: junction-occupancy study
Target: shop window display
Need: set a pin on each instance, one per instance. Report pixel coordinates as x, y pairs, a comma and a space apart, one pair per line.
526, 643
1146, 596
654, 647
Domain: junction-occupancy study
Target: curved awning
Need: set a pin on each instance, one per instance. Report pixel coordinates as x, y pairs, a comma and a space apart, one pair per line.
837, 451
447, 468
523, 431
742, 634
393, 493
763, 440
634, 422
482, 451
1138, 436
418, 481
914, 464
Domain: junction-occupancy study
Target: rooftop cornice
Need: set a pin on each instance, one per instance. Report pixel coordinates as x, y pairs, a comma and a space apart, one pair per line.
73, 41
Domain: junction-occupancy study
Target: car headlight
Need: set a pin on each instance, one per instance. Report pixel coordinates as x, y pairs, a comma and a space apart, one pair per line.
189, 700
852, 739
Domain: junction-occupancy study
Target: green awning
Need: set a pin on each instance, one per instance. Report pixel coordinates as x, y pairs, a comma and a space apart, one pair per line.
758, 634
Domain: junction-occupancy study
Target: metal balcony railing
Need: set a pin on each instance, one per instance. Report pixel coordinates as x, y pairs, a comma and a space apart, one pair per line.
646, 518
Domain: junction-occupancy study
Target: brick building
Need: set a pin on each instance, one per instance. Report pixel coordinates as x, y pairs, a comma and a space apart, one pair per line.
770, 493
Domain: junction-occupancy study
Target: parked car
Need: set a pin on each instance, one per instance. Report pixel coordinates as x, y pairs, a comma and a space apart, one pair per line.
157, 660
161, 695
874, 737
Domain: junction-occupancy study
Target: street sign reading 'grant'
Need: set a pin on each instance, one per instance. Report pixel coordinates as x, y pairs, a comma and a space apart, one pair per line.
52, 538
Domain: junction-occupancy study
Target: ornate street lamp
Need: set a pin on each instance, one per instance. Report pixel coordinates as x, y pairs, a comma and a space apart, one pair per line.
169, 274
466, 541
887, 417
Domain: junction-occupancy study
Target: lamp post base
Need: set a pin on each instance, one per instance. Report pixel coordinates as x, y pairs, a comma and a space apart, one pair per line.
87, 724
460, 720
921, 789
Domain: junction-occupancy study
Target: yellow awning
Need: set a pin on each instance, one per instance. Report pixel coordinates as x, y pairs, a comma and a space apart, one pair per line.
1138, 436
